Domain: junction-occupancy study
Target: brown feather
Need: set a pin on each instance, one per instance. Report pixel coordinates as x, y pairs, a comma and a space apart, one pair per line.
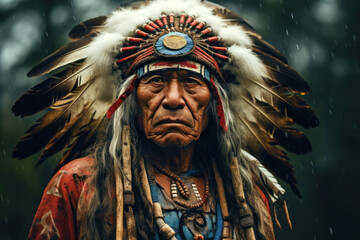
290, 105
88, 28
83, 140
48, 92
283, 73
262, 147
230, 17
69, 53
277, 126
48, 125
266, 47
65, 136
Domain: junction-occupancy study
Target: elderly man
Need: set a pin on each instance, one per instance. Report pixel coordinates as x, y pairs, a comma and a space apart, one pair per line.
197, 103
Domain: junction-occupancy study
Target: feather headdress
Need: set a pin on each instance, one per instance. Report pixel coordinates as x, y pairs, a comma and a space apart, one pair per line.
264, 91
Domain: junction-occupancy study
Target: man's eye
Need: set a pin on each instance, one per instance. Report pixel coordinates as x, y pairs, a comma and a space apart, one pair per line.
156, 80
189, 81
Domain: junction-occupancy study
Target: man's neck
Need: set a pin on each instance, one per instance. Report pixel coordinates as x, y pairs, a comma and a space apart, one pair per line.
176, 160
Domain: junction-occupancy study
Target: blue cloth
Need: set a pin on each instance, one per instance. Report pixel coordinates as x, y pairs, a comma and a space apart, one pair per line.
173, 216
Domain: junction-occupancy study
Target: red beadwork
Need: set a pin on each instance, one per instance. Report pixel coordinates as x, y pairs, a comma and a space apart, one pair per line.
135, 40
146, 53
134, 55
141, 33
208, 57
200, 26
213, 39
189, 20
193, 24
142, 56
182, 18
125, 49
206, 31
159, 22
149, 28
171, 19
221, 49
222, 57
164, 19
156, 27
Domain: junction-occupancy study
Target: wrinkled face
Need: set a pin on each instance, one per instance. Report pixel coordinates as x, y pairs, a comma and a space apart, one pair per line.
173, 107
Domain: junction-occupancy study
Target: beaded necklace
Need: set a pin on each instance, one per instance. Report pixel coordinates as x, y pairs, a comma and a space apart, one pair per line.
159, 218
177, 185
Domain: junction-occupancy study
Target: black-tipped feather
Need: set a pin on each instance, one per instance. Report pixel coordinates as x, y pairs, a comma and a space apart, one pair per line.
83, 140
40, 133
230, 17
65, 136
47, 126
283, 73
88, 28
264, 46
69, 53
290, 105
277, 126
47, 93
262, 147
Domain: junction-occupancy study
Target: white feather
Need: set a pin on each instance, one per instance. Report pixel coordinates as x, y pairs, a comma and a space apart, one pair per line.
268, 174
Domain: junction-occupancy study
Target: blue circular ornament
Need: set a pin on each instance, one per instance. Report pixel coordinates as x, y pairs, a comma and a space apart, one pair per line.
174, 44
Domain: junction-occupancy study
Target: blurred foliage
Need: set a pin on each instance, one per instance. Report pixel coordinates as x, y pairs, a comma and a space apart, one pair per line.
320, 38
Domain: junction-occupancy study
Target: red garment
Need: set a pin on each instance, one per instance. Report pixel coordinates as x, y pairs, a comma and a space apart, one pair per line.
56, 215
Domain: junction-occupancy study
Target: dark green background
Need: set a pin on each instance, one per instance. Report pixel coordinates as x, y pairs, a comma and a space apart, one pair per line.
320, 38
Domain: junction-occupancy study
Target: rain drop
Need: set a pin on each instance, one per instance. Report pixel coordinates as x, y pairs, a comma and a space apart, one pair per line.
331, 231
287, 32
292, 15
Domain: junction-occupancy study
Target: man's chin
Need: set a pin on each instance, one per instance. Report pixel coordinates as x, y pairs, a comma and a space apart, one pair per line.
173, 140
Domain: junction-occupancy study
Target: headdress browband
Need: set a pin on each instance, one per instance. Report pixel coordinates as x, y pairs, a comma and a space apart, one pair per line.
171, 42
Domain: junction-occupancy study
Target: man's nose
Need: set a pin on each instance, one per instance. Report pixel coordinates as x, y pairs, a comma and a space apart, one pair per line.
174, 95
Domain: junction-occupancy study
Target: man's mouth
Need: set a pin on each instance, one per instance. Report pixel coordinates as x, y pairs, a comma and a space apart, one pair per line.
172, 121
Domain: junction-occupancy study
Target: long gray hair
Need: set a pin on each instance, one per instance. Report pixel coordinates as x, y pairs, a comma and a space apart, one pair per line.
213, 143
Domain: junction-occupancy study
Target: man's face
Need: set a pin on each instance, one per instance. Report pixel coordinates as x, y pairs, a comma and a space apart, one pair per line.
173, 105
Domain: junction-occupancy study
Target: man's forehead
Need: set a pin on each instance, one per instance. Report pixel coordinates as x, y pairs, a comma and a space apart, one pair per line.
159, 66
175, 73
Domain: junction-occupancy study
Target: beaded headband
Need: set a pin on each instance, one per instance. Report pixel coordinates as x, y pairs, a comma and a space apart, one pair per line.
187, 65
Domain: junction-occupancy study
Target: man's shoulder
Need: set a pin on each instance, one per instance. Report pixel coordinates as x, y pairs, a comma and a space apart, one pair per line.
74, 174
80, 166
